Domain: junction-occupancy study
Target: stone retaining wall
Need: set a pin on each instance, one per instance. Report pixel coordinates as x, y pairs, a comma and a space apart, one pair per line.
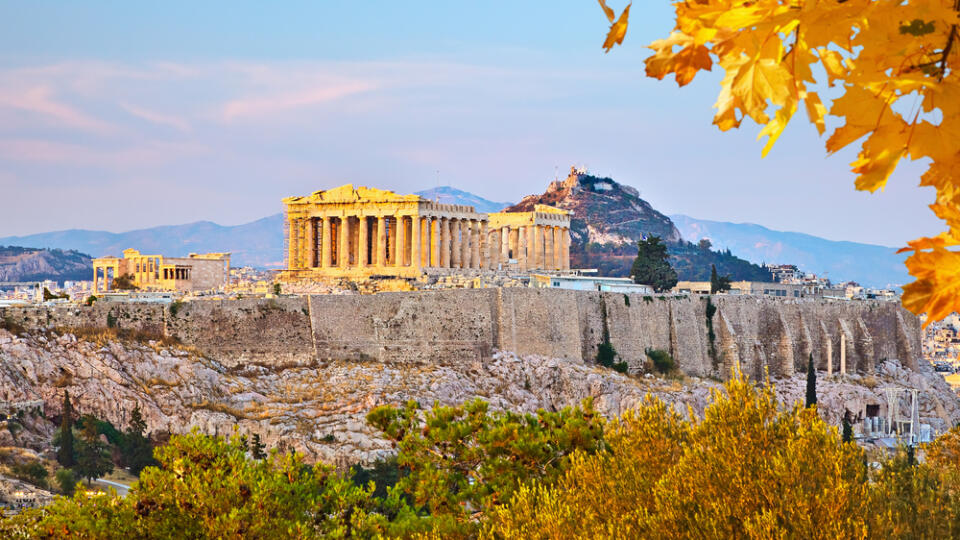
769, 335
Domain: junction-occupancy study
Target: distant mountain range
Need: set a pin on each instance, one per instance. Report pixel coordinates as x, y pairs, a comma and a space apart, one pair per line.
260, 243
868, 264
449, 195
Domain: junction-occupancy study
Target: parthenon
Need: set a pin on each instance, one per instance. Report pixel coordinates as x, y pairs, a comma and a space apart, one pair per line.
357, 233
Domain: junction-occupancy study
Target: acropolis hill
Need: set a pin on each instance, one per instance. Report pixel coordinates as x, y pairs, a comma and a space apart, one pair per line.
303, 371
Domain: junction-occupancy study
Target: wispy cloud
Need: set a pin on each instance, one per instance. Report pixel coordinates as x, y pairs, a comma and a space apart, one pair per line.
267, 105
40, 100
54, 152
158, 118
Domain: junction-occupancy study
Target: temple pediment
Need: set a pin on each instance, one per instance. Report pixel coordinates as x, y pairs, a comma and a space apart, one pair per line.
349, 194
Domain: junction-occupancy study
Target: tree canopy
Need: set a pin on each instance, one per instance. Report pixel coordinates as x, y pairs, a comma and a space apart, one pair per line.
893, 68
652, 265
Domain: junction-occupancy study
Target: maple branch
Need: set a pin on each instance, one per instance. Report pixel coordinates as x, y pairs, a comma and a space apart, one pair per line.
949, 45
946, 49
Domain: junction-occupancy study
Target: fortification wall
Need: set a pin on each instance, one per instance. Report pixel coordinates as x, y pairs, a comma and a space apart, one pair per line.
761, 335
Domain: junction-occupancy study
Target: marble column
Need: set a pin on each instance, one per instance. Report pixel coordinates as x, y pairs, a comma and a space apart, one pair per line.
557, 249
537, 249
363, 246
401, 239
444, 242
343, 254
456, 251
505, 245
475, 244
434, 241
522, 247
381, 242
531, 245
465, 230
326, 243
311, 241
484, 261
291, 243
416, 227
566, 248
548, 248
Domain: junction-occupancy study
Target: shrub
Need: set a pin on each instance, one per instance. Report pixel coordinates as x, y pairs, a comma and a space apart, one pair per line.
175, 307
90, 300
111, 320
626, 300
606, 354
662, 361
67, 481
620, 367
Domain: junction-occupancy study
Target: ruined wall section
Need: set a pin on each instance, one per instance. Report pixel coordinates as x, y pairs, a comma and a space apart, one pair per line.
434, 327
760, 335
246, 331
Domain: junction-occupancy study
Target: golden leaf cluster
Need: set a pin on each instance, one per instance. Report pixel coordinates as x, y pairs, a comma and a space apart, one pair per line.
892, 65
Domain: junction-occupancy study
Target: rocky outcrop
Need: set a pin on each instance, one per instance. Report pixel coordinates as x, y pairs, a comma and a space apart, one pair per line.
609, 219
604, 211
319, 408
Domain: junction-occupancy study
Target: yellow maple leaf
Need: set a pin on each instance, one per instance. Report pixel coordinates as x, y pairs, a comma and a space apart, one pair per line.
815, 110
937, 289
878, 157
618, 29
758, 80
684, 64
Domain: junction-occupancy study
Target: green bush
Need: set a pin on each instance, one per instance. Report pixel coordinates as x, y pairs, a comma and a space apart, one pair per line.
90, 300
620, 367
67, 481
662, 361
175, 307
606, 354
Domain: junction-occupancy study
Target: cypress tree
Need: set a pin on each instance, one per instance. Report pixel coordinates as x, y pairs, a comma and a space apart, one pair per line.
65, 452
847, 430
714, 279
811, 383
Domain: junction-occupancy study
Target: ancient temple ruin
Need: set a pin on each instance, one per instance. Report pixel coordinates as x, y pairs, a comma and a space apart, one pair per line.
358, 233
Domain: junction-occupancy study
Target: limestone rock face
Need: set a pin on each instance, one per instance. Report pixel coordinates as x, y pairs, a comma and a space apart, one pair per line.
604, 212
319, 408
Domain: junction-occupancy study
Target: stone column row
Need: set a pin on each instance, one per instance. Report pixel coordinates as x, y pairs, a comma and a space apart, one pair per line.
451, 242
531, 246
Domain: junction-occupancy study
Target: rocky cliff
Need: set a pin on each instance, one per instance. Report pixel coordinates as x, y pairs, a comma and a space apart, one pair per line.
608, 220
318, 408
29, 264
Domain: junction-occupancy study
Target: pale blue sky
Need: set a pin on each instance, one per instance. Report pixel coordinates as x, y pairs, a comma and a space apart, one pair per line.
217, 110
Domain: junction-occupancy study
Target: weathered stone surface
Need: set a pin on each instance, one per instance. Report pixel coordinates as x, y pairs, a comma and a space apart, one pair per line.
761, 335
319, 408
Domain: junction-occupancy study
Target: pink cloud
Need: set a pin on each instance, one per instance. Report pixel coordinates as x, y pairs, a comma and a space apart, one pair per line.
148, 154
39, 99
281, 102
157, 118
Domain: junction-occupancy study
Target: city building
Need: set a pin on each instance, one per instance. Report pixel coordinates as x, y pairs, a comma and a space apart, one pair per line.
762, 288
589, 283
359, 233
198, 272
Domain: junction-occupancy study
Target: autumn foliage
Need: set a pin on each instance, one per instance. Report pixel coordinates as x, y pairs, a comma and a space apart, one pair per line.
749, 468
892, 66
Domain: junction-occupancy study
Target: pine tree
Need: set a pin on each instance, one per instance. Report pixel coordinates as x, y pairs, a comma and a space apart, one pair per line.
137, 451
847, 429
65, 452
257, 447
811, 383
93, 456
652, 265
